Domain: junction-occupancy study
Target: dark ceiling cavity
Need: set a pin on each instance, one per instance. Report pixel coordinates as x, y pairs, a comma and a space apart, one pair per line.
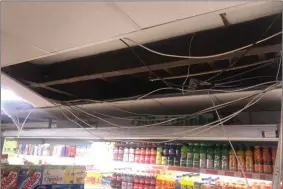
119, 74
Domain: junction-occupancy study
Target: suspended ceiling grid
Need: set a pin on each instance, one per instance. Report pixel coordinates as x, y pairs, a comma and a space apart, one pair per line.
30, 32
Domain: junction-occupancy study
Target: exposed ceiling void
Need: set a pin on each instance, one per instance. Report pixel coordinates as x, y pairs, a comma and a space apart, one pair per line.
120, 73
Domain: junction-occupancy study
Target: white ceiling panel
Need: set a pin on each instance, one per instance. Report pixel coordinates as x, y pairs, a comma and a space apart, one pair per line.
13, 50
55, 26
147, 14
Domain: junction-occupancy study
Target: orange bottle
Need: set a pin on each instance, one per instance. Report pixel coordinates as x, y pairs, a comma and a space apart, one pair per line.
266, 157
241, 158
249, 160
258, 160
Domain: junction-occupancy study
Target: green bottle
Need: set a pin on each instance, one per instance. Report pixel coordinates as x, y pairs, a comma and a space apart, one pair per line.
184, 151
190, 155
196, 157
225, 157
217, 157
210, 157
202, 156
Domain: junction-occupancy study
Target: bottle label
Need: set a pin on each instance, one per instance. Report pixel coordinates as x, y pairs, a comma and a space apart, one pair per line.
126, 157
158, 160
196, 160
183, 162
170, 161
124, 185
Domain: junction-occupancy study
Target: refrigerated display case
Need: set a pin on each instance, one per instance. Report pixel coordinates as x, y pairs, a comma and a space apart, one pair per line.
146, 165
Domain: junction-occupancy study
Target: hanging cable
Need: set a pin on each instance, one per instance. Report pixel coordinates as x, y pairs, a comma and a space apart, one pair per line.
227, 118
228, 138
204, 57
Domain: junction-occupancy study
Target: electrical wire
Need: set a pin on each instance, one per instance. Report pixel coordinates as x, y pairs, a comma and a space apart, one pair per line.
204, 57
23, 124
227, 118
145, 65
228, 138
244, 79
162, 122
279, 66
250, 70
184, 83
191, 41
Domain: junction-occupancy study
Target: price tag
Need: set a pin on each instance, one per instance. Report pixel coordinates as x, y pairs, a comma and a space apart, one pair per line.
256, 176
237, 174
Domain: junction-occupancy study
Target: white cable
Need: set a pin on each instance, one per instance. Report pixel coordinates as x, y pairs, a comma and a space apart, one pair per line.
244, 79
204, 57
155, 124
183, 85
11, 117
242, 73
253, 101
23, 124
280, 62
228, 138
166, 121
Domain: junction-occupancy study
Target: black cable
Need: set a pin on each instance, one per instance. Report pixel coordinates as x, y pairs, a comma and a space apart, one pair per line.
247, 50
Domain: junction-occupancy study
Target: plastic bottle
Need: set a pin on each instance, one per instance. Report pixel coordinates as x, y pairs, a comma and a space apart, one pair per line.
132, 152
121, 153
177, 157
171, 155
241, 158
142, 151
137, 153
196, 157
183, 159
249, 160
159, 153
258, 160
210, 157
232, 161
202, 156
115, 151
217, 157
164, 160
190, 155
266, 157
126, 153
225, 157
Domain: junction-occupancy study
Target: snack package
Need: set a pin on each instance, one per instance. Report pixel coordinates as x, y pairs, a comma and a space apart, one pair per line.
29, 177
79, 175
53, 175
9, 177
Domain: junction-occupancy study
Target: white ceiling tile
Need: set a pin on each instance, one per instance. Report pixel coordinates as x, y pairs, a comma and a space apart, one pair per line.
14, 51
55, 26
147, 14
83, 52
218, 5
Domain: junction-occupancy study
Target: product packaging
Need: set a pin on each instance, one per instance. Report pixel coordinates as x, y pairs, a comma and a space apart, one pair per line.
9, 177
29, 177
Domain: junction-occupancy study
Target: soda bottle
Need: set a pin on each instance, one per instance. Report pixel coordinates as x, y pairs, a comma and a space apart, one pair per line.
132, 153
225, 157
258, 160
209, 157
121, 153
164, 160
184, 151
126, 153
177, 155
137, 153
115, 152
249, 160
217, 157
202, 155
232, 161
171, 154
159, 153
266, 157
190, 155
241, 158
196, 157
